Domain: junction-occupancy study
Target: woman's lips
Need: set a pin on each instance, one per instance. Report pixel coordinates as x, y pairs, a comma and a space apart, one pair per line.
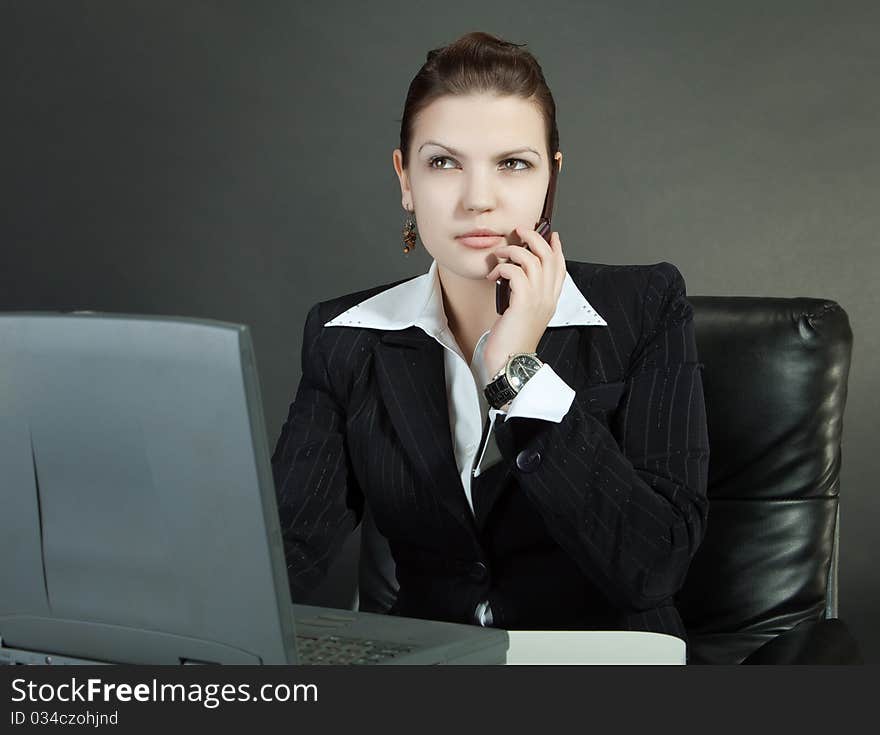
480, 241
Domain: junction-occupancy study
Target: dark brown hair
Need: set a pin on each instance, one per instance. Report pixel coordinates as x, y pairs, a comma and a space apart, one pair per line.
479, 62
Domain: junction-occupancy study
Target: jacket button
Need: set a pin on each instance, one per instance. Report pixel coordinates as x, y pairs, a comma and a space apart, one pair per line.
528, 460
479, 572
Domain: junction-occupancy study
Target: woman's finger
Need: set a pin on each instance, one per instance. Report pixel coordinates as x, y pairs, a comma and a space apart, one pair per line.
556, 244
513, 273
537, 244
518, 254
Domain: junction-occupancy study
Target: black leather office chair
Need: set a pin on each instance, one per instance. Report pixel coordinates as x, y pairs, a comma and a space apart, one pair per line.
763, 585
762, 588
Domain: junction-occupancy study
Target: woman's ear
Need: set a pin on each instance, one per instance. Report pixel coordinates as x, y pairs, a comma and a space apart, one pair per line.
403, 178
558, 159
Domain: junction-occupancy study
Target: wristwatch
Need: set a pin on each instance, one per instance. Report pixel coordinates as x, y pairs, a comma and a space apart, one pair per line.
511, 378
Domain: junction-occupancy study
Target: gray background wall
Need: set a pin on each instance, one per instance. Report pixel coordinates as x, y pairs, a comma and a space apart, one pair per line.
233, 161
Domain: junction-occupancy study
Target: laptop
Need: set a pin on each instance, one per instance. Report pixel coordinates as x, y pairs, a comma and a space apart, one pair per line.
139, 521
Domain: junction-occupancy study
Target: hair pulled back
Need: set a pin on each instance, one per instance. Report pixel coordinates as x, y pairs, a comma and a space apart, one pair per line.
478, 62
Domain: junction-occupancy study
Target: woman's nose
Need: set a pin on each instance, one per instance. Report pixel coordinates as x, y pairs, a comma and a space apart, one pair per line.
478, 194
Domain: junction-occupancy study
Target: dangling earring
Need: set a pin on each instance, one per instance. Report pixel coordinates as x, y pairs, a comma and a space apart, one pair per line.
409, 233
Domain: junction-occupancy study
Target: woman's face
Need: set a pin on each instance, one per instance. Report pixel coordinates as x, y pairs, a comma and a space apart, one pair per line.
477, 161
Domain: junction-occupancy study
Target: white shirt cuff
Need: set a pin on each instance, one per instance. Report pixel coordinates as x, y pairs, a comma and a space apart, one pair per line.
545, 396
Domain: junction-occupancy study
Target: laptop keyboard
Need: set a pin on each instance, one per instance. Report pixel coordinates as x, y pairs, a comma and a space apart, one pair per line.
334, 649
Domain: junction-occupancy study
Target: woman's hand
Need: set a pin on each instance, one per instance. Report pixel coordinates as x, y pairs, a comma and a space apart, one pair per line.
536, 276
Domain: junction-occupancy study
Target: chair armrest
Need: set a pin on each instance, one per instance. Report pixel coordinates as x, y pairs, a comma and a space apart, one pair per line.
811, 642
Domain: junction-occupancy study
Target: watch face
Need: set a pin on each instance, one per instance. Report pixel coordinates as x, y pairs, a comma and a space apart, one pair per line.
521, 368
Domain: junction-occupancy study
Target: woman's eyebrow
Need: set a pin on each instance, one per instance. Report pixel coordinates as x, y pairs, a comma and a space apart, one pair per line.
457, 153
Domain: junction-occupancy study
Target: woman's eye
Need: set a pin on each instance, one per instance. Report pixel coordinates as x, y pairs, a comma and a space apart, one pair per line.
526, 164
438, 158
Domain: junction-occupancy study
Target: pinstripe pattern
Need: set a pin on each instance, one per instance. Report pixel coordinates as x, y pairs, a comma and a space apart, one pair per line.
620, 483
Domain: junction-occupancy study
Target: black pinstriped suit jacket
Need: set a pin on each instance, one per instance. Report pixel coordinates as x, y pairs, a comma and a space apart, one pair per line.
615, 493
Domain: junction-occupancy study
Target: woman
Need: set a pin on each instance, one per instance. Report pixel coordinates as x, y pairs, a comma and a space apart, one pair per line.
572, 492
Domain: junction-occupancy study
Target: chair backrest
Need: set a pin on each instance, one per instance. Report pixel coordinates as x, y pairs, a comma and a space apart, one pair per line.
775, 382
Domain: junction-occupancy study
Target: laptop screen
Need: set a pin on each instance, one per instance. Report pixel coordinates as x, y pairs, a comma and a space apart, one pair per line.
139, 517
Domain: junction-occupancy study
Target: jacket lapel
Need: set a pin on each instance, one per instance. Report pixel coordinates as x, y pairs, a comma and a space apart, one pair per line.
412, 380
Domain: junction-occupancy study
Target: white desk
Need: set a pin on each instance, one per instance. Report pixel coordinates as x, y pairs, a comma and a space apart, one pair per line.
593, 647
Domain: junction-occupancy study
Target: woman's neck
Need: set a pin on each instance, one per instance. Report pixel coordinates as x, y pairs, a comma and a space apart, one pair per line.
470, 308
